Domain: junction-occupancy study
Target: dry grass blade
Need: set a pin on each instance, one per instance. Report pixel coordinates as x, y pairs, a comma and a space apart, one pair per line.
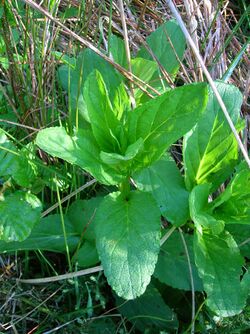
131, 77
209, 78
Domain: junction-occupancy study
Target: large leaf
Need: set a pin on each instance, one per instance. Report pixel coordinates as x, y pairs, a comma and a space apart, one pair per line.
199, 210
19, 213
233, 205
46, 235
128, 241
81, 150
172, 267
103, 120
159, 43
148, 311
163, 120
210, 149
219, 264
166, 183
117, 49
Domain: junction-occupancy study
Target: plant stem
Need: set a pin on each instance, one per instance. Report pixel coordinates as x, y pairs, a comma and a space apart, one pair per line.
124, 187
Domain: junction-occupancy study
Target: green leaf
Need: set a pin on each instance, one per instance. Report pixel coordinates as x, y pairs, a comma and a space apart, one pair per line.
148, 311
241, 234
102, 118
46, 235
27, 171
81, 213
219, 264
117, 49
128, 241
81, 150
158, 41
143, 69
19, 213
199, 210
8, 156
164, 180
233, 205
123, 161
172, 266
210, 149
163, 120
87, 255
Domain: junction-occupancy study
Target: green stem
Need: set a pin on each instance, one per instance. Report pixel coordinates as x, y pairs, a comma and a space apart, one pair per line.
124, 187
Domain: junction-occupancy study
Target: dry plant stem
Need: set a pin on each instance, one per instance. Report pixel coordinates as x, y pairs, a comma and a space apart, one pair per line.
191, 280
127, 74
126, 43
53, 207
208, 76
80, 272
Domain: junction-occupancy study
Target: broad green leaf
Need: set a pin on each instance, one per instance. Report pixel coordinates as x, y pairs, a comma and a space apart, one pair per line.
8, 156
46, 235
241, 234
87, 255
81, 213
210, 149
19, 213
164, 180
172, 267
233, 205
149, 311
163, 120
117, 49
158, 41
128, 241
199, 210
103, 120
219, 264
81, 150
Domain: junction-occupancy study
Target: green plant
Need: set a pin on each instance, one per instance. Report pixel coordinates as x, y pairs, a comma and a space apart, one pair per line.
125, 149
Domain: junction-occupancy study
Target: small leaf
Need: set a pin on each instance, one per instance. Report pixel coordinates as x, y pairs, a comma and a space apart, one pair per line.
81, 213
81, 150
165, 182
122, 161
199, 210
19, 213
27, 171
158, 41
128, 241
46, 235
87, 255
8, 156
241, 234
102, 118
172, 266
117, 49
149, 311
210, 148
143, 69
163, 120
219, 264
233, 205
